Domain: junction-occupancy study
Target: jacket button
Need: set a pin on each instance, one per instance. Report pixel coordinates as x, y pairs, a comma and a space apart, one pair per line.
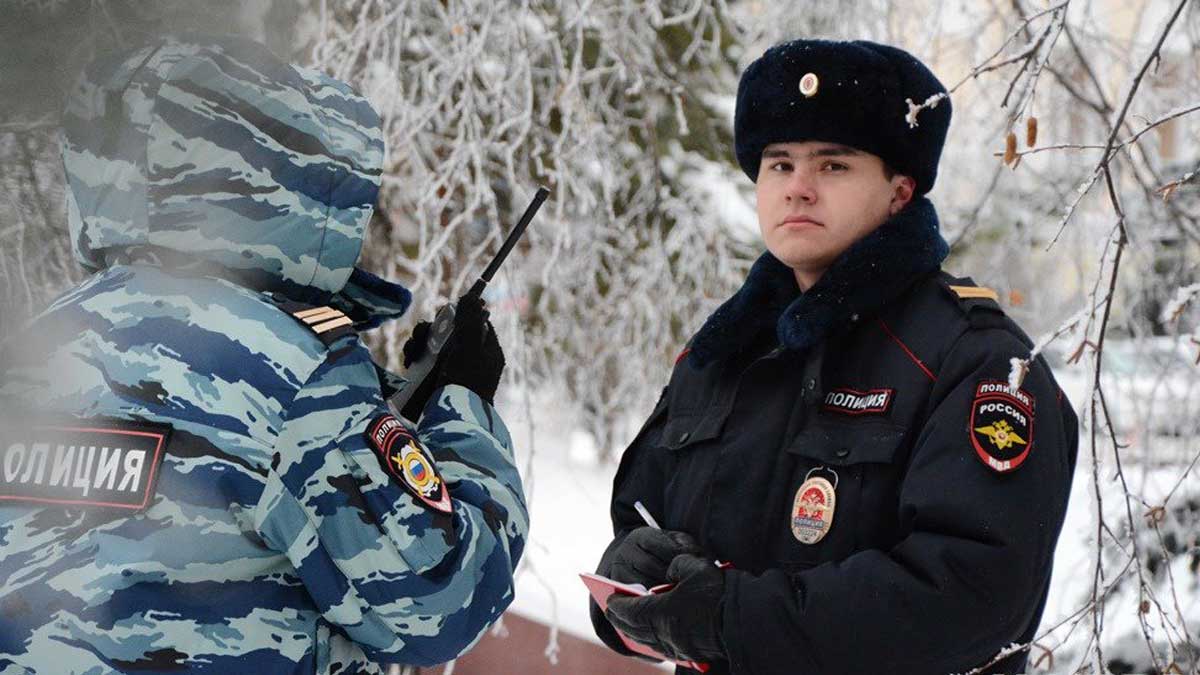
843, 453
684, 436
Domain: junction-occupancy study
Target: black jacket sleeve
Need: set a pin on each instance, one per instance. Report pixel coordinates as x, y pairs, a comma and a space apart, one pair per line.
972, 566
639, 477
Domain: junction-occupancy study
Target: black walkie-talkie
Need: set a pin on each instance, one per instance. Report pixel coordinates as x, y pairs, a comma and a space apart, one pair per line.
443, 321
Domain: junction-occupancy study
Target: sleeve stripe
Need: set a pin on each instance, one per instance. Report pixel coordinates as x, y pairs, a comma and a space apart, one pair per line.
330, 325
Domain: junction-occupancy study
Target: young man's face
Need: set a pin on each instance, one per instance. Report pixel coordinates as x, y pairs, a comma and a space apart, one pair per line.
815, 199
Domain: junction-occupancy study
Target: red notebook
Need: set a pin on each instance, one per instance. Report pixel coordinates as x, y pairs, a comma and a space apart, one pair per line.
602, 587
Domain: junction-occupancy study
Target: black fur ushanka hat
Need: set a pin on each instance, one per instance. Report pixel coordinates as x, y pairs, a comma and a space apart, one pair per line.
851, 93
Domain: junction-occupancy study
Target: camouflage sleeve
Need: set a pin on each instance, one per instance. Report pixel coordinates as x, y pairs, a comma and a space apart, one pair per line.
406, 580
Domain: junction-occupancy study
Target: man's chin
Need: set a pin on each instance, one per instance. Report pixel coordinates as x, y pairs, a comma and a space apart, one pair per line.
801, 261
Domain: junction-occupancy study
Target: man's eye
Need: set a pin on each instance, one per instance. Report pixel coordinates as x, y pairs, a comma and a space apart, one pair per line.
834, 166
781, 166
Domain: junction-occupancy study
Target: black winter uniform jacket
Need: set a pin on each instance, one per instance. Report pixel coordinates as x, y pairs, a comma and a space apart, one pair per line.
889, 379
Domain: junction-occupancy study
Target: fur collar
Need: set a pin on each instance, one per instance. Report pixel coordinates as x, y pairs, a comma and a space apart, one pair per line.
869, 274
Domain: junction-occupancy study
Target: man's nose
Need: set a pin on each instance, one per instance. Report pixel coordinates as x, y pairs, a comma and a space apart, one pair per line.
801, 187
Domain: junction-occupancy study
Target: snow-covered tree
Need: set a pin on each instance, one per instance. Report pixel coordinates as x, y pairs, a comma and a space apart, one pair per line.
1068, 183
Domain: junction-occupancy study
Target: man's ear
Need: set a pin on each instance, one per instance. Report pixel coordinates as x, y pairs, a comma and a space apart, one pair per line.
903, 188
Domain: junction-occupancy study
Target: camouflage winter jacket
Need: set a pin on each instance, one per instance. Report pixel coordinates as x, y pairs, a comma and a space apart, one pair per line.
204, 476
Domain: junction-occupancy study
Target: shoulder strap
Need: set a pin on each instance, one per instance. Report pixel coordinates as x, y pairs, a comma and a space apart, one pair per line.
981, 305
329, 324
975, 292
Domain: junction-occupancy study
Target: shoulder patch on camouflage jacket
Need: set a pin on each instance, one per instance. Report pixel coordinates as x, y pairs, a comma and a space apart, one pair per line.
327, 323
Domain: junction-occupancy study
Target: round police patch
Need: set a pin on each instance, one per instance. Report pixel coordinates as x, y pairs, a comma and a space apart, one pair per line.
1001, 425
406, 460
812, 510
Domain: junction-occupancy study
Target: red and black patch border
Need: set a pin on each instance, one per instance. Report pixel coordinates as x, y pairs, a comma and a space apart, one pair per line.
162, 432
1008, 397
383, 450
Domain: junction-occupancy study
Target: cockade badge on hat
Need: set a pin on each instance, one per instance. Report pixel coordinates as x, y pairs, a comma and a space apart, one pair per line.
809, 84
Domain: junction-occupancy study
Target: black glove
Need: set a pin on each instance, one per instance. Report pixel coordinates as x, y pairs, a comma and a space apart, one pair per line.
414, 348
641, 557
471, 357
644, 555
683, 623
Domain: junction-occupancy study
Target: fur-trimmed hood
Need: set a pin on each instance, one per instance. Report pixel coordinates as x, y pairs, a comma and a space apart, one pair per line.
869, 274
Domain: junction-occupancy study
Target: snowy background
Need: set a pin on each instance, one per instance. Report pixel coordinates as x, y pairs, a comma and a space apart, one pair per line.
1089, 229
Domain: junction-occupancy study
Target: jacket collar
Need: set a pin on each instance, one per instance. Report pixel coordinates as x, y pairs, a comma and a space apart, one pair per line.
370, 301
869, 274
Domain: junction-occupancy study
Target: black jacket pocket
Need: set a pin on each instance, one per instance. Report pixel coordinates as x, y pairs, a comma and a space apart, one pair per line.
859, 461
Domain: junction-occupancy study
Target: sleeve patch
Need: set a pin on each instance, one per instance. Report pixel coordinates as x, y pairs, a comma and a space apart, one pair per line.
1001, 425
406, 460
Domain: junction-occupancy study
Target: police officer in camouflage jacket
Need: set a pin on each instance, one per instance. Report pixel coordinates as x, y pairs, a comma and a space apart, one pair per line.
205, 476
862, 436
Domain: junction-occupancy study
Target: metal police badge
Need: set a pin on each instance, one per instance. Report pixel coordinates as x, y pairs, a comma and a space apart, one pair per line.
813, 508
1001, 425
407, 461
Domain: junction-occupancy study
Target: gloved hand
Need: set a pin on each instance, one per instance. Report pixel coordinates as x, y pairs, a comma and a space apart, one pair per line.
644, 555
683, 623
641, 557
414, 348
413, 351
471, 357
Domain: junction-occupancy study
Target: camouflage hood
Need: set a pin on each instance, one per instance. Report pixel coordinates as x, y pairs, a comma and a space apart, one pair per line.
211, 155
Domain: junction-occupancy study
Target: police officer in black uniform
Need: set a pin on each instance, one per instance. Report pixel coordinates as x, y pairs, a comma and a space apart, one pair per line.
859, 435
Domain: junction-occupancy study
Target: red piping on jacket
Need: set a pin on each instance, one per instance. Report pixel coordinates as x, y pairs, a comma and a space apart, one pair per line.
883, 324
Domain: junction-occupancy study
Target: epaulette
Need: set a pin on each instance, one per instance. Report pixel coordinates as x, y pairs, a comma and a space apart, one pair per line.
975, 292
328, 323
979, 303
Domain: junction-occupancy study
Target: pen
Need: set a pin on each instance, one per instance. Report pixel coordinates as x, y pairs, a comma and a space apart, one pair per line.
641, 509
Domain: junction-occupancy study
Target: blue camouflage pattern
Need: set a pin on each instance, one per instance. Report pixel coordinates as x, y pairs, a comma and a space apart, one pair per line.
209, 182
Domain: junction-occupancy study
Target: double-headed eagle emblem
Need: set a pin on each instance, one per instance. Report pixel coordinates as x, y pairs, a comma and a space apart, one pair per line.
1001, 434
